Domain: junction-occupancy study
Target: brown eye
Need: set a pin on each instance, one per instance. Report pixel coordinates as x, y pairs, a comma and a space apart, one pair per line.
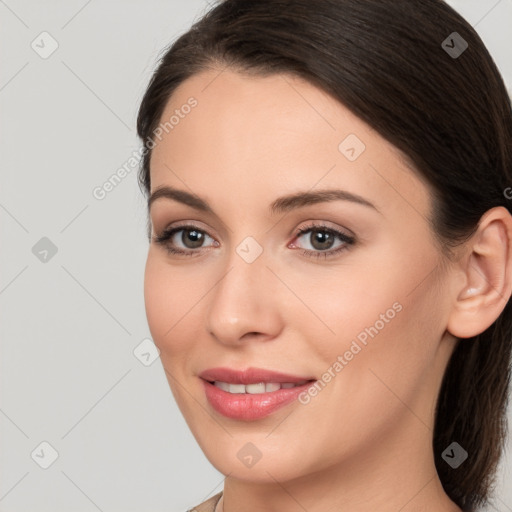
192, 238
321, 239
183, 240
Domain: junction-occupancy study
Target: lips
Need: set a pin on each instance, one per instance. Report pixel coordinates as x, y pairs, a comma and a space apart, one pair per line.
251, 394
251, 376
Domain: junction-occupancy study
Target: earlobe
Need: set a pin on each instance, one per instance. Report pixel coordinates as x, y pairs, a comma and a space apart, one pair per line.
488, 276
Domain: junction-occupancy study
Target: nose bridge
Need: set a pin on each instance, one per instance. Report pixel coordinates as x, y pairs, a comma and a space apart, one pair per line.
241, 301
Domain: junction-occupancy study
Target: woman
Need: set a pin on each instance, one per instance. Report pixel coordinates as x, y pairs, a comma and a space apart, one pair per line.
330, 263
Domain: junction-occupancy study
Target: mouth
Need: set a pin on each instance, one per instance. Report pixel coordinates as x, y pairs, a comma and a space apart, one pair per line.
251, 394
252, 376
257, 388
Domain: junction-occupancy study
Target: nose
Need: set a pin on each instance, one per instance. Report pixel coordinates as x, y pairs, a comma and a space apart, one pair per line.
243, 304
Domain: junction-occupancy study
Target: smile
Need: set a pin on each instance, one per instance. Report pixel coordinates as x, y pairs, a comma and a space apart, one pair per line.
256, 389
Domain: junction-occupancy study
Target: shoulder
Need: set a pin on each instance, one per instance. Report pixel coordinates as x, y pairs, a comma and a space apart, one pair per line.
208, 505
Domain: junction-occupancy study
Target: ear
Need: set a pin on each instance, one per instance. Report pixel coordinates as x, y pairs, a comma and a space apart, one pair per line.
487, 272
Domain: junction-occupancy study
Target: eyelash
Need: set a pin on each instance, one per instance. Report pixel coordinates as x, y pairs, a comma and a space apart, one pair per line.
347, 240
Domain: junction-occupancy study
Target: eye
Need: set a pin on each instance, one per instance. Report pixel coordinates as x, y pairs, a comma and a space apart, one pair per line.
322, 239
191, 238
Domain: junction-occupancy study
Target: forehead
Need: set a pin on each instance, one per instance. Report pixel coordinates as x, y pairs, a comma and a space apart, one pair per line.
275, 133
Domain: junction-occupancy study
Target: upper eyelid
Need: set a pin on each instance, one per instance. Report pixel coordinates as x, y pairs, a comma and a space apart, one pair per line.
309, 225
184, 225
325, 226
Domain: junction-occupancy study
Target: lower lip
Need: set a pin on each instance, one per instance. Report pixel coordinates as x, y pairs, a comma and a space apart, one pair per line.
245, 406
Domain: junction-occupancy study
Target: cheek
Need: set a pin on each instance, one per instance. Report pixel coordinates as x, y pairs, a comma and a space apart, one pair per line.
156, 298
169, 304
382, 315
350, 303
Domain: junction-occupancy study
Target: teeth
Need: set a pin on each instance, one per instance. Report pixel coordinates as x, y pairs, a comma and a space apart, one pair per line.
222, 385
236, 388
255, 389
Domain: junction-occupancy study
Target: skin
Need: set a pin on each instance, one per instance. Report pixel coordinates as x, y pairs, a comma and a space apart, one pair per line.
365, 441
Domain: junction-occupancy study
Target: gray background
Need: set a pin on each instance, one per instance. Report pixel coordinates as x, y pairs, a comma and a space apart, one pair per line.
70, 325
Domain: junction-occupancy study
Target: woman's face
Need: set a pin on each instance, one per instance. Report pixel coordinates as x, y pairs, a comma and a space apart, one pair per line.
362, 312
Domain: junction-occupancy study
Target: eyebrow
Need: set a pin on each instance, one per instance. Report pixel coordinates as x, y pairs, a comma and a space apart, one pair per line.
281, 205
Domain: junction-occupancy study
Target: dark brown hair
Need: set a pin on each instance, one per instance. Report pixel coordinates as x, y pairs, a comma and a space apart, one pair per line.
450, 116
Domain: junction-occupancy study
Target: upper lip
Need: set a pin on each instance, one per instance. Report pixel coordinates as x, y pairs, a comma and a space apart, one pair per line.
249, 376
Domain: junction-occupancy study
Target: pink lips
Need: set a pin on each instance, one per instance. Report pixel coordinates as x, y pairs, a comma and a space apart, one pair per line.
250, 407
